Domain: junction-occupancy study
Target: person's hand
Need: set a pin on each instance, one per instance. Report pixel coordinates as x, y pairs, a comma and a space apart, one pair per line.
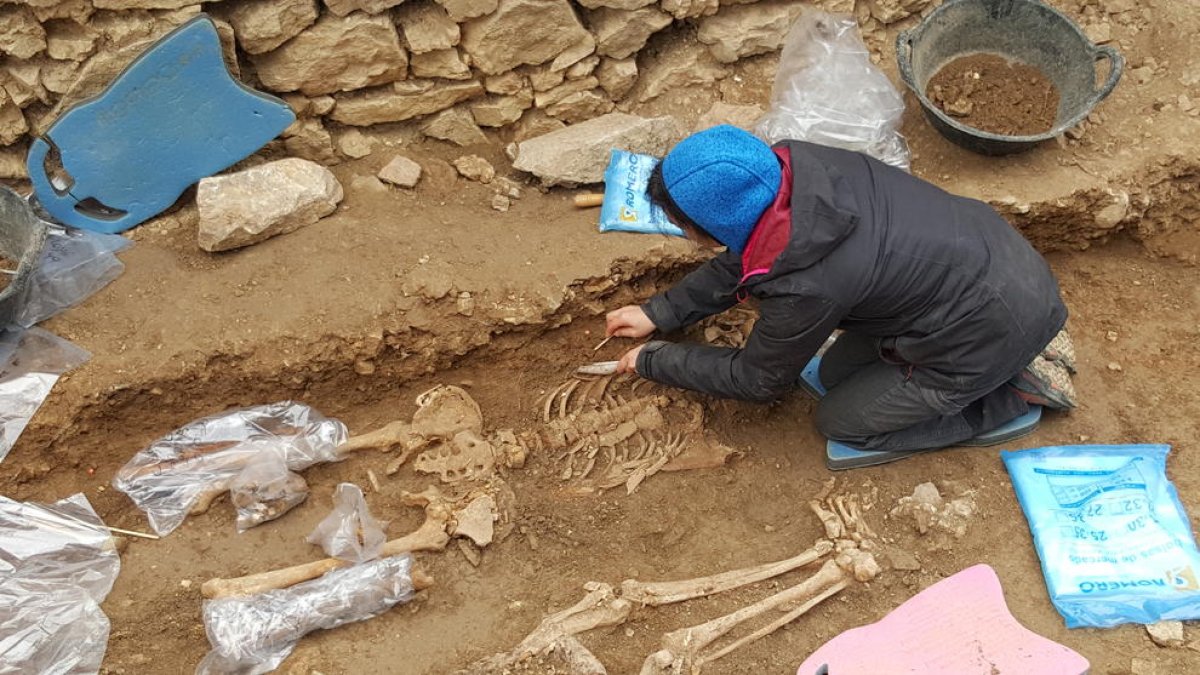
629, 321
628, 362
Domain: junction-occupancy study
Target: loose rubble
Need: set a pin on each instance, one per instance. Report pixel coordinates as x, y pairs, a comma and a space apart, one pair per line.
401, 171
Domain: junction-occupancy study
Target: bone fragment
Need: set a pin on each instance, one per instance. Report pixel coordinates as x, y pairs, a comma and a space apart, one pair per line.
834, 527
598, 368
476, 521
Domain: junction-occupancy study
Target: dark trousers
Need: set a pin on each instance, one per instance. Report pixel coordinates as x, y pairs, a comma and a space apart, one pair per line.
876, 404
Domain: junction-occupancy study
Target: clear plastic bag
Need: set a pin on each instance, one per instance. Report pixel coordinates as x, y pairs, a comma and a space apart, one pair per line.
265, 490
254, 634
57, 563
50, 629
75, 265
349, 532
828, 92
627, 206
1115, 543
31, 361
64, 543
190, 466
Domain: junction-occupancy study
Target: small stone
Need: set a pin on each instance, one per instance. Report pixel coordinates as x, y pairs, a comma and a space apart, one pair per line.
1100, 32
544, 79
501, 203
508, 83
617, 76
1142, 75
457, 126
461, 10
499, 111
401, 171
250, 206
1111, 336
69, 41
186, 583
768, 528
476, 168
344, 7
903, 560
354, 144
629, 632
1166, 633
1114, 366
367, 185
891, 11
465, 304
309, 139
583, 68
442, 63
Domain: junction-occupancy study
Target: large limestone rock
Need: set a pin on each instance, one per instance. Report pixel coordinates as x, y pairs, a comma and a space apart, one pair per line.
69, 41
345, 7
616, 4
427, 27
456, 126
891, 11
263, 25
12, 121
404, 101
687, 65
617, 76
23, 82
499, 111
690, 9
745, 30
579, 154
78, 11
580, 106
461, 10
336, 54
621, 33
142, 4
523, 32
443, 63
250, 206
21, 35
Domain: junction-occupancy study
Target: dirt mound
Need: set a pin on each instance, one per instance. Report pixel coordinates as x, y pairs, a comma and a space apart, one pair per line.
991, 93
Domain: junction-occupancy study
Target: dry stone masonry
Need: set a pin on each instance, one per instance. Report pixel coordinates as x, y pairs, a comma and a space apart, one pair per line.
454, 70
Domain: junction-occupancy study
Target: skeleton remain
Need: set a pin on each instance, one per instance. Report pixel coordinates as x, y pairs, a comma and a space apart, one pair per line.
433, 535
605, 440
688, 650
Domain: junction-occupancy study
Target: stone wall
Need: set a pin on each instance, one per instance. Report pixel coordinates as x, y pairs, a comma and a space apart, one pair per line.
450, 68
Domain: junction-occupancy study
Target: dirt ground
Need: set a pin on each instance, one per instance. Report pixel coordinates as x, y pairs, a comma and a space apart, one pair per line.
399, 291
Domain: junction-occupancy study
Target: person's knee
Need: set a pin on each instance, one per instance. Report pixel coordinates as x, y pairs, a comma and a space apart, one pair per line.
838, 424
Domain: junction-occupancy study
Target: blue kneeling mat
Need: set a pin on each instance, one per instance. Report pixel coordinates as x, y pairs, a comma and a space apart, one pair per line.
173, 116
840, 456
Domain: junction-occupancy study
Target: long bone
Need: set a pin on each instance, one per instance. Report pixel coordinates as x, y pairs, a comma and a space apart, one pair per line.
430, 536
683, 651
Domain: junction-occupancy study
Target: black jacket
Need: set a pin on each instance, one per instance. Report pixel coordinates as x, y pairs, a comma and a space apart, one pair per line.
946, 283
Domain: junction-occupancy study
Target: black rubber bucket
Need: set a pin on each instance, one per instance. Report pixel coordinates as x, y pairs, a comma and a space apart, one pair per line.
1019, 30
22, 238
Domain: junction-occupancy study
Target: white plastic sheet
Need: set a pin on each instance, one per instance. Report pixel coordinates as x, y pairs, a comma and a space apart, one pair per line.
57, 564
349, 532
31, 361
254, 634
168, 478
828, 92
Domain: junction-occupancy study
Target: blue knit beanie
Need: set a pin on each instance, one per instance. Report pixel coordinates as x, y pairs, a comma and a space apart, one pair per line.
723, 178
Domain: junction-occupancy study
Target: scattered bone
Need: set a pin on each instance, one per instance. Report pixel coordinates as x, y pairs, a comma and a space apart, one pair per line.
476, 521
932, 513
464, 457
469, 552
598, 368
374, 481
430, 536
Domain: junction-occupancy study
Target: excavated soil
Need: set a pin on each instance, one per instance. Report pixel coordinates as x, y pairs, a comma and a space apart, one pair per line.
994, 94
402, 290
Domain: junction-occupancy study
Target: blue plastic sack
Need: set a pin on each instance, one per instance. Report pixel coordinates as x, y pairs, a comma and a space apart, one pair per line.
627, 206
1115, 543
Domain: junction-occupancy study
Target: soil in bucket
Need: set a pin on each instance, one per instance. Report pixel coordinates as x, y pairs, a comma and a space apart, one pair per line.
8, 270
993, 94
